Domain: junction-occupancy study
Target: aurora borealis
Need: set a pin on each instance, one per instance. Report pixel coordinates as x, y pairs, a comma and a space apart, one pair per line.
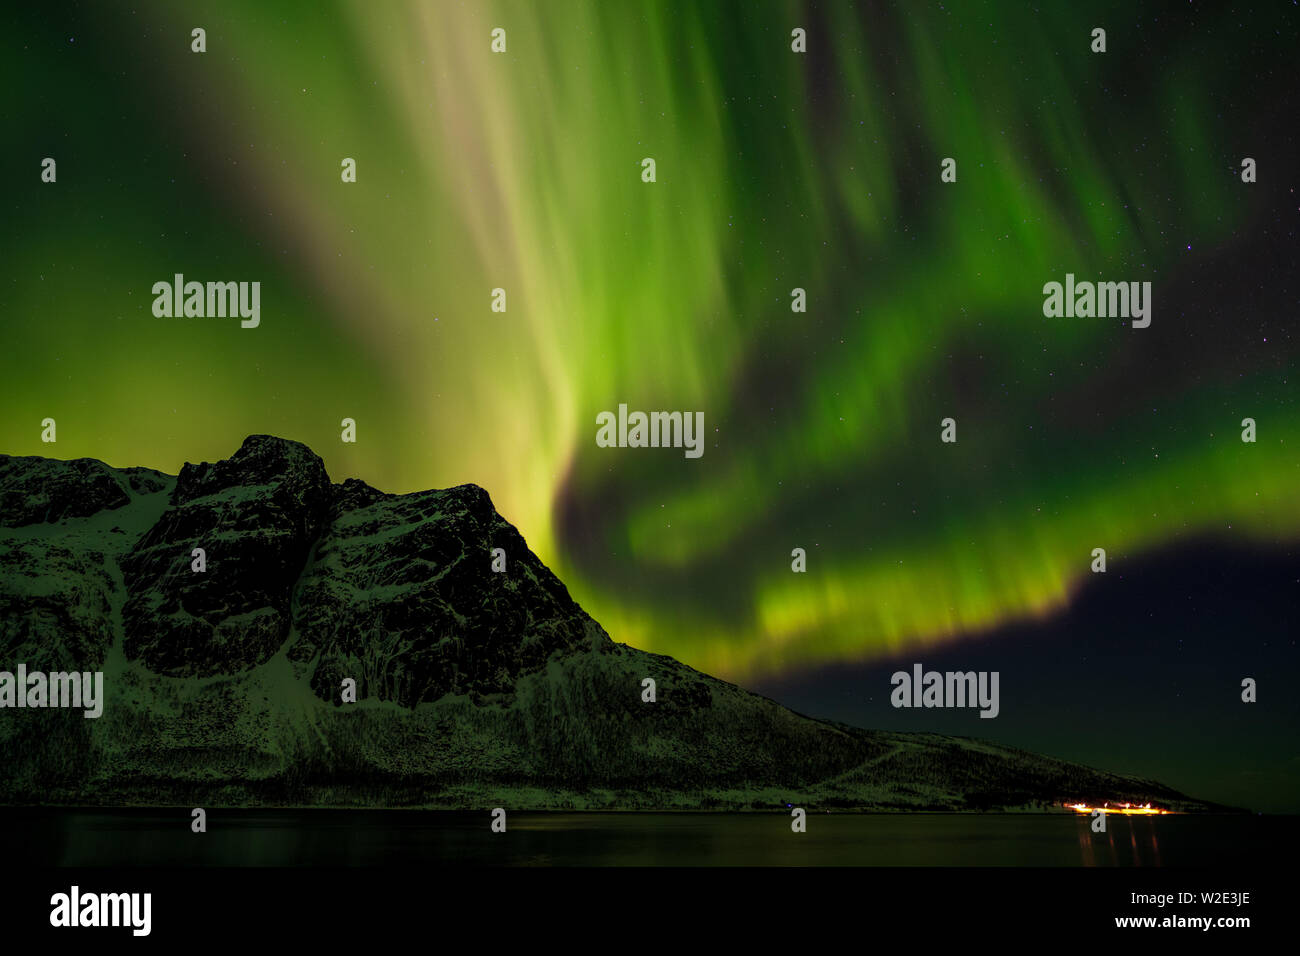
775, 171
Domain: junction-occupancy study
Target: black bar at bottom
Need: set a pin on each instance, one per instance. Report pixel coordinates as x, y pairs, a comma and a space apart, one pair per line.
656, 906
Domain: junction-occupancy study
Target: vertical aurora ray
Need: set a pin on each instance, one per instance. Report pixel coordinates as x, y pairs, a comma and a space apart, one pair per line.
521, 171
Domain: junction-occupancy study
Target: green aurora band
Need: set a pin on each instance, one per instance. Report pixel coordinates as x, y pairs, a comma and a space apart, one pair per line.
775, 170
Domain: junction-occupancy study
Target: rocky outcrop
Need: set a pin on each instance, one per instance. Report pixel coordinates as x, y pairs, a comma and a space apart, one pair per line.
477, 685
255, 516
42, 490
401, 596
60, 586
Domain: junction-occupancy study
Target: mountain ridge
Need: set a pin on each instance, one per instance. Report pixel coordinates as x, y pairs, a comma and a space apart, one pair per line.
473, 687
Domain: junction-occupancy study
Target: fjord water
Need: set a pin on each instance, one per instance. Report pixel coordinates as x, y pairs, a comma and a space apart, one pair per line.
162, 837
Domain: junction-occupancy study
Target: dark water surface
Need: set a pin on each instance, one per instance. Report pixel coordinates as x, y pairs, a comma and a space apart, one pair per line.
156, 837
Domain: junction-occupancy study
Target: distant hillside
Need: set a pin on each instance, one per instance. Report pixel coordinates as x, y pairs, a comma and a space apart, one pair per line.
475, 688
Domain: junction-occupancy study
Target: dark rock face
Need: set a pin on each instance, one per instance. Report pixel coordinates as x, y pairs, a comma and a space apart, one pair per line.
36, 490
256, 516
55, 592
395, 591
58, 589
401, 597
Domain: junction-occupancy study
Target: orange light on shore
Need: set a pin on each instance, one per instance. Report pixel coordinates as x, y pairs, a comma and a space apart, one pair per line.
1125, 808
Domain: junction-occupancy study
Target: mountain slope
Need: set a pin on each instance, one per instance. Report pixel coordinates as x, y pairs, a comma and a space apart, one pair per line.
474, 687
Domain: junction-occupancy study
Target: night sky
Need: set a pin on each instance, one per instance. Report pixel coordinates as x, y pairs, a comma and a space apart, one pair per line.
775, 170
